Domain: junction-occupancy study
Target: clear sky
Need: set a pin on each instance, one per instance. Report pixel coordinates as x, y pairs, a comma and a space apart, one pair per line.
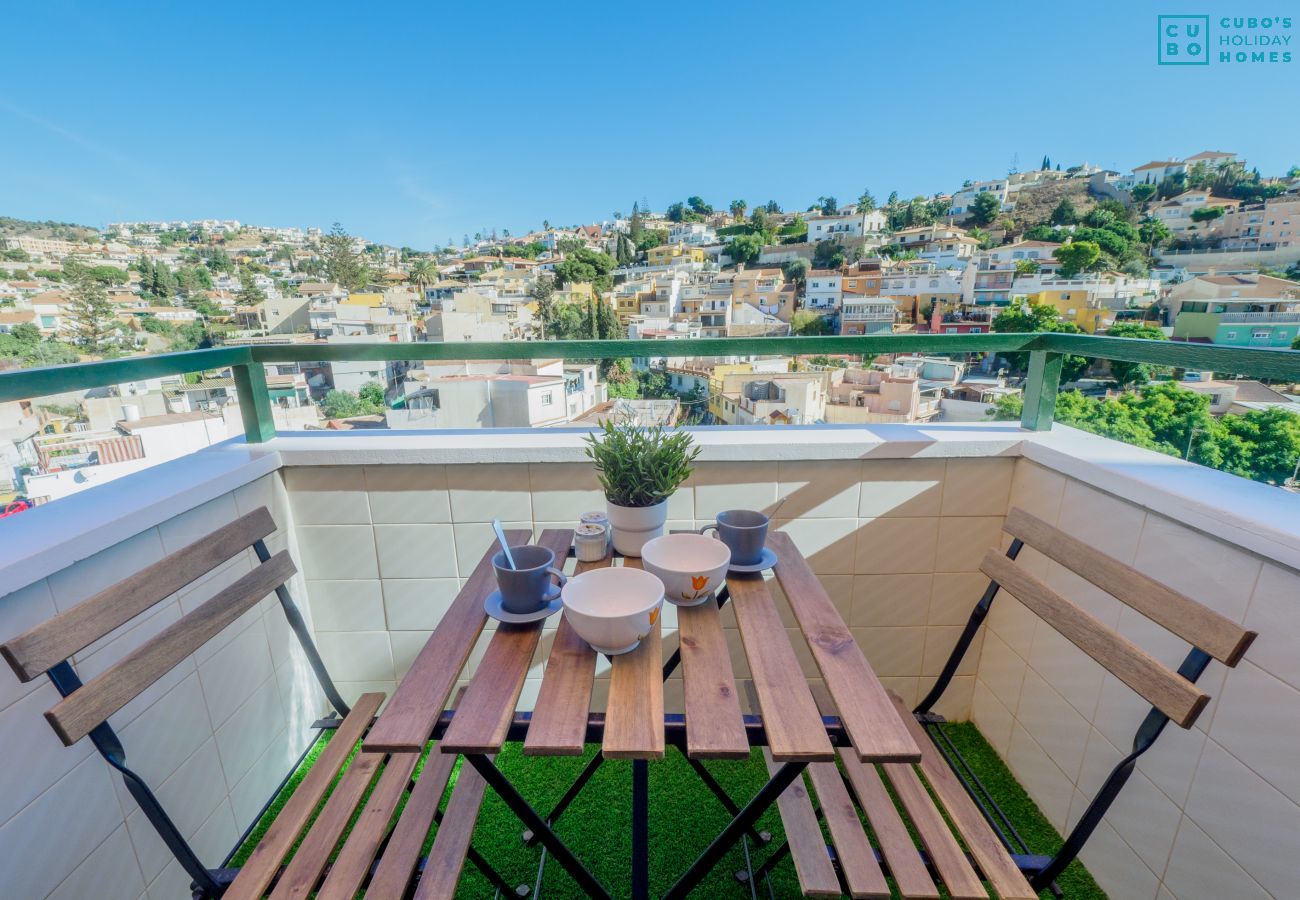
416, 123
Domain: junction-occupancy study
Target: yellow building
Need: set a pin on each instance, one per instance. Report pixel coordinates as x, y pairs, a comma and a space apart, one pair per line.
665, 254
629, 296
1077, 306
760, 287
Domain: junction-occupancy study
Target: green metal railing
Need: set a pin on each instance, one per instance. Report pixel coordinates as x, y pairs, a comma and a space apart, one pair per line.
1046, 353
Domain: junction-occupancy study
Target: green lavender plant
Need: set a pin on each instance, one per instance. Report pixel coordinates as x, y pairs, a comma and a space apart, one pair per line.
640, 466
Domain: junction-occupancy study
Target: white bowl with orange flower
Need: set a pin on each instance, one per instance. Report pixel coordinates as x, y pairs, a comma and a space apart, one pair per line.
691, 566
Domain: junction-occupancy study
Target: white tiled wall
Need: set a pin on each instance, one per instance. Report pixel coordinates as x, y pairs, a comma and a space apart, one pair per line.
896, 543
213, 737
1210, 812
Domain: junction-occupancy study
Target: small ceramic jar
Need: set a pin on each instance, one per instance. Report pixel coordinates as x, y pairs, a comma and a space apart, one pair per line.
590, 542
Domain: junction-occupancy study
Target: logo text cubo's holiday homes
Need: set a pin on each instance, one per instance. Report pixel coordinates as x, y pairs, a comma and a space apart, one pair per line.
1199, 40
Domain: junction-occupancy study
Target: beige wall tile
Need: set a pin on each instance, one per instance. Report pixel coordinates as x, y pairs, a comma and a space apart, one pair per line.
977, 487
727, 485
406, 647
1119, 871
346, 605
1002, 670
332, 552
401, 495
473, 539
487, 491
954, 596
230, 677
248, 732
1275, 613
80, 809
1015, 624
821, 489
357, 655
562, 492
416, 551
992, 718
327, 495
106, 568
892, 652
1053, 723
907, 688
1198, 867
955, 704
1100, 520
197, 523
1037, 490
901, 487
1073, 673
1258, 721
111, 872
1262, 834
1042, 778
939, 643
417, 604
34, 756
964, 541
827, 544
897, 546
1210, 571
880, 600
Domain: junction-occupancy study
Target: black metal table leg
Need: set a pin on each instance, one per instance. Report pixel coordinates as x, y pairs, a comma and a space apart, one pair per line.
738, 826
640, 829
760, 837
570, 795
531, 818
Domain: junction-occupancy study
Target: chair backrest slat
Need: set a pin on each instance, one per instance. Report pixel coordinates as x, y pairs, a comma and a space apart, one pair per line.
77, 714
1194, 622
57, 639
1163, 688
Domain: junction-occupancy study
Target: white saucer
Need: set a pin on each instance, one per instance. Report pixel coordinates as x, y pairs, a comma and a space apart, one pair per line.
765, 562
492, 606
687, 604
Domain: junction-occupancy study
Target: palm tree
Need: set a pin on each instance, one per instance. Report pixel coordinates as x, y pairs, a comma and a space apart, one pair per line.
738, 208
421, 275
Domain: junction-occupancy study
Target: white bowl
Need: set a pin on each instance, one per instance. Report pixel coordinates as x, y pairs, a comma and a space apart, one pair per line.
612, 609
691, 566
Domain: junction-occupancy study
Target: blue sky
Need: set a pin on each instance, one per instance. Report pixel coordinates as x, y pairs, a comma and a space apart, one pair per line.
413, 124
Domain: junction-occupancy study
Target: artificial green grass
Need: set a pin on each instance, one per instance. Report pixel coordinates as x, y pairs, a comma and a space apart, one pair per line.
684, 817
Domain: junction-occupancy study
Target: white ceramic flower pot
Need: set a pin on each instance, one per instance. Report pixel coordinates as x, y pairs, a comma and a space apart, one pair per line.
632, 526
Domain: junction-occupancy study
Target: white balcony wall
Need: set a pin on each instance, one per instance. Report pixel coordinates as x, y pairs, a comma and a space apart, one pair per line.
1211, 812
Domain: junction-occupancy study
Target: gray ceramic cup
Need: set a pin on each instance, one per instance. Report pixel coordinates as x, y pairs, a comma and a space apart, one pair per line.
527, 588
744, 531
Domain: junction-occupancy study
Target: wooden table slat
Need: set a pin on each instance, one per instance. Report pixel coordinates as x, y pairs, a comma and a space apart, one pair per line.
812, 863
865, 710
397, 864
559, 722
715, 728
483, 719
634, 716
905, 862
790, 718
407, 721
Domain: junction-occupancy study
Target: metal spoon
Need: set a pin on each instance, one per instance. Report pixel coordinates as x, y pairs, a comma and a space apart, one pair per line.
501, 539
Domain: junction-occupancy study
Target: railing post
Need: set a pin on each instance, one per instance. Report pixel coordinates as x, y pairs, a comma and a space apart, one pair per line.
1040, 390
254, 402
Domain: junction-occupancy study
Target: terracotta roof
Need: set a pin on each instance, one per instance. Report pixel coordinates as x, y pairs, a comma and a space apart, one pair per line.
1157, 165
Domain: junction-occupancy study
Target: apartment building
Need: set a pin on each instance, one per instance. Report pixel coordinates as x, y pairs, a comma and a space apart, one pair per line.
823, 291
845, 223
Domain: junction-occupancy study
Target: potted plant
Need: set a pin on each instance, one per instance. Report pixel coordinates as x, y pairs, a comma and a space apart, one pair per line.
639, 469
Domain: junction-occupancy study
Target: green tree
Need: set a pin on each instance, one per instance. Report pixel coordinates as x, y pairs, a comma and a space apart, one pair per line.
92, 316
543, 292
699, 207
249, 293
583, 265
343, 264
1076, 257
985, 208
1153, 232
737, 208
745, 248
866, 202
1143, 192
372, 395
1065, 213
808, 323
1038, 317
827, 255
797, 270
1026, 266
1127, 373
1206, 213
423, 273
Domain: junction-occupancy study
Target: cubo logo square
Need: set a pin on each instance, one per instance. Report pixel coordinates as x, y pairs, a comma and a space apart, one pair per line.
1183, 40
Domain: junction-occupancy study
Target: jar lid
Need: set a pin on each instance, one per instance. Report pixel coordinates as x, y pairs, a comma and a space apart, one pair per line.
595, 516
589, 530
